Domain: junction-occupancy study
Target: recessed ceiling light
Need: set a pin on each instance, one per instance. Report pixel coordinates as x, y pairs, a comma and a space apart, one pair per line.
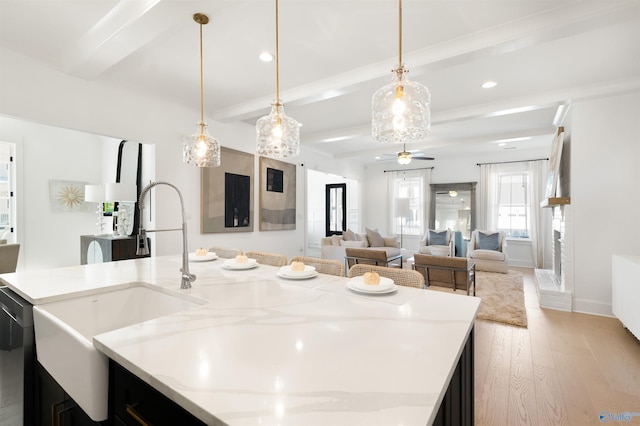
266, 57
502, 144
489, 84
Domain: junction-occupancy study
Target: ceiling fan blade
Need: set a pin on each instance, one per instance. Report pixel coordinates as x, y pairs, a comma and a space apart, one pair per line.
422, 158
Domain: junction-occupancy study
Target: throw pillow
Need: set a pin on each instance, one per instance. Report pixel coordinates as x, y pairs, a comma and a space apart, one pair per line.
354, 244
363, 237
488, 241
374, 237
390, 242
335, 240
349, 235
437, 238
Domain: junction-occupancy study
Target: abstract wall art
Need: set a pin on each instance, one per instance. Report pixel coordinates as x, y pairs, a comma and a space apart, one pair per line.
277, 195
226, 194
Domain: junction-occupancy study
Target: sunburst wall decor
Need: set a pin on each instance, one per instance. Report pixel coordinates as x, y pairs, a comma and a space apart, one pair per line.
68, 196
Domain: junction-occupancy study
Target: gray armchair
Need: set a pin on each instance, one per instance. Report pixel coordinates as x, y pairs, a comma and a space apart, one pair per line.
489, 250
437, 243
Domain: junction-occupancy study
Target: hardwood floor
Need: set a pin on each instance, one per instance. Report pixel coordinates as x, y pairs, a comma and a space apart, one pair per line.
564, 369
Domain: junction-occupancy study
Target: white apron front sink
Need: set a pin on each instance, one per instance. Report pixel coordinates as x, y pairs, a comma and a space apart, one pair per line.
64, 334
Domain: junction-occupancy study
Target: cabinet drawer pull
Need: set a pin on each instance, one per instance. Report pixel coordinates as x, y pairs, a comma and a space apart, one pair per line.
136, 416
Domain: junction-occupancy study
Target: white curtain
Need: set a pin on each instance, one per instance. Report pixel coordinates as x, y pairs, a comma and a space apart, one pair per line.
488, 196
421, 203
537, 178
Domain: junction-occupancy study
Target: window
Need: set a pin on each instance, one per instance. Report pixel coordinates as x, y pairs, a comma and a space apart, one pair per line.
513, 205
6, 191
411, 187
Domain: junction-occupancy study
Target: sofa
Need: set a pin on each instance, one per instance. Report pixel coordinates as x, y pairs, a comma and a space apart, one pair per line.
334, 247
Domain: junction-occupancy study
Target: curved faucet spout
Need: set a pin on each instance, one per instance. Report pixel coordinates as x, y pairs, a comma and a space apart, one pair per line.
186, 278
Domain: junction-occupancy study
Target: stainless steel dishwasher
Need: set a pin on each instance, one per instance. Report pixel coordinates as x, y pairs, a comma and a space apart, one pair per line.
17, 354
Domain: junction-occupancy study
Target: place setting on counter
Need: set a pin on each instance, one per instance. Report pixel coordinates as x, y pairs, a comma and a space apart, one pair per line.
202, 255
371, 283
239, 263
297, 271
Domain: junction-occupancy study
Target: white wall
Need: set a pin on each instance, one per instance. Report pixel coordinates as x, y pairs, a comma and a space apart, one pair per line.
32, 92
45, 153
605, 194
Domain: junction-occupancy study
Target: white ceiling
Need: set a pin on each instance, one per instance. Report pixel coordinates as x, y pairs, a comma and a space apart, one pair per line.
334, 54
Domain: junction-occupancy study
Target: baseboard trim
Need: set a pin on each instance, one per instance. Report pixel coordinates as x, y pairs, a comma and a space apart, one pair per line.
593, 308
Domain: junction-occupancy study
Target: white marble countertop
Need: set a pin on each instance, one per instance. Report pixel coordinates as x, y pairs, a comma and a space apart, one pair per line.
270, 351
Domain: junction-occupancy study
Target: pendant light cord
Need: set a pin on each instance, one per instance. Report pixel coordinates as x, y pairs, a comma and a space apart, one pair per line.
201, 19
277, 61
399, 34
201, 80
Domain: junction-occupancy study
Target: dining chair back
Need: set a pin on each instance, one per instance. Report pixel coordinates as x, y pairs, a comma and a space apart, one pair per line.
9, 257
225, 252
323, 266
265, 258
456, 273
356, 256
404, 277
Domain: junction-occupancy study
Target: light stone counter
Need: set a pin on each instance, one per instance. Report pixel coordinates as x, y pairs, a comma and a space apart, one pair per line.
266, 350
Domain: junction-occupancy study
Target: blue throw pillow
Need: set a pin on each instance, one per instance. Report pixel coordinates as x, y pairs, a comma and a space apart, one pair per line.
488, 242
437, 238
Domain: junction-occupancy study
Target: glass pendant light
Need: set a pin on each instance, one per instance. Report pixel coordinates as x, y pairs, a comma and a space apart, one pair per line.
401, 109
278, 135
201, 149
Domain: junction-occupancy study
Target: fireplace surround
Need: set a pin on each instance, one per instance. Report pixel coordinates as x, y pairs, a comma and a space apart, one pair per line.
554, 286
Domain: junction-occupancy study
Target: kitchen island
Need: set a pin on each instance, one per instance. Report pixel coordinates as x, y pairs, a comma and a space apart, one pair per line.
268, 350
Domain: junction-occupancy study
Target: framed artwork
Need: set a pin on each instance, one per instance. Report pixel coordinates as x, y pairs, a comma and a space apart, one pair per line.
68, 196
277, 195
554, 164
226, 194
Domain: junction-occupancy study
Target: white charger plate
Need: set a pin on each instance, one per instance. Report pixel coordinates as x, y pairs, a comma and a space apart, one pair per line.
232, 264
206, 258
288, 273
357, 284
283, 274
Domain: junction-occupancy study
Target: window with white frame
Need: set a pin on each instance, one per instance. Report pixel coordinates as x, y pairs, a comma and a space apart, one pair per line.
514, 218
411, 187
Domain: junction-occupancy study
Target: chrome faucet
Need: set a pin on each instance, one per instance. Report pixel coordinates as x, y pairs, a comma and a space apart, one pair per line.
143, 248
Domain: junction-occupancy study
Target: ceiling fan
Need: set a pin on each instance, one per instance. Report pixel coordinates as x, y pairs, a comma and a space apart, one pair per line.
404, 157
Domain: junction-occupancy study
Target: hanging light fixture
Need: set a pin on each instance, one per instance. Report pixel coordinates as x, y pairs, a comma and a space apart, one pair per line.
404, 157
401, 109
278, 135
201, 149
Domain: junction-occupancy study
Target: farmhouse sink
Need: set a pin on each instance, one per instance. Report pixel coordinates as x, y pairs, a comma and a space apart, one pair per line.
64, 333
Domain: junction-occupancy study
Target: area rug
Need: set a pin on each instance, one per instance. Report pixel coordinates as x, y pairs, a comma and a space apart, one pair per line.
502, 297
